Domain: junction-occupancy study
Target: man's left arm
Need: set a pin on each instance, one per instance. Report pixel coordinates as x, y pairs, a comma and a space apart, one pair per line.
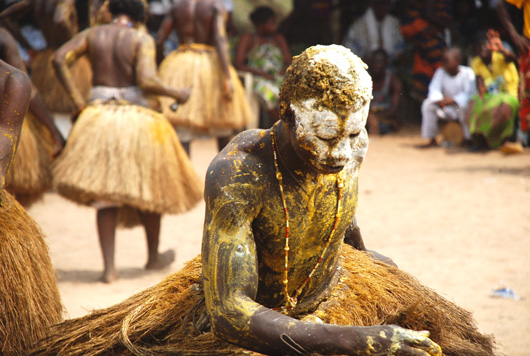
353, 237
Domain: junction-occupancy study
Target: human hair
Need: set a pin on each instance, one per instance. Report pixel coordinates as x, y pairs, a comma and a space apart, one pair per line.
261, 15
135, 9
332, 75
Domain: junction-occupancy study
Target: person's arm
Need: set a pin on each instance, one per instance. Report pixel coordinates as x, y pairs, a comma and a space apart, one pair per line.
65, 17
63, 58
286, 53
230, 276
163, 33
15, 89
435, 86
495, 44
146, 72
521, 42
16, 10
36, 106
240, 61
221, 46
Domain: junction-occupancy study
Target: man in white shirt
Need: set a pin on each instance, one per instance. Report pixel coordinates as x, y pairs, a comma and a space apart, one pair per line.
376, 29
450, 89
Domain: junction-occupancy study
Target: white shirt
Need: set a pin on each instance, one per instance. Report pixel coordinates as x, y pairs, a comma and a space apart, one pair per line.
460, 87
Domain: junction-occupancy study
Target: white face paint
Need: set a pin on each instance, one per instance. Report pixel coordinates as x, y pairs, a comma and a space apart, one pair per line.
329, 141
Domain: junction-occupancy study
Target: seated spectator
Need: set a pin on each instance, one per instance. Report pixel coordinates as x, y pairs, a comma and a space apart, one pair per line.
376, 28
450, 90
491, 113
386, 95
266, 55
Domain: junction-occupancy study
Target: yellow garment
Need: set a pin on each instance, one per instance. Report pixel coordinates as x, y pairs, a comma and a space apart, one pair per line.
499, 68
525, 4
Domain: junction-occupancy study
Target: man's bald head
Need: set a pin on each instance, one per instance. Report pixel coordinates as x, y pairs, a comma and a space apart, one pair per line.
452, 58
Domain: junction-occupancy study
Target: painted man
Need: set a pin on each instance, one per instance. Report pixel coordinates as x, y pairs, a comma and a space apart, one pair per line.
279, 204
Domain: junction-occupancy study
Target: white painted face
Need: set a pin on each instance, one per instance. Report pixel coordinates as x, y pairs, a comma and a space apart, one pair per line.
328, 141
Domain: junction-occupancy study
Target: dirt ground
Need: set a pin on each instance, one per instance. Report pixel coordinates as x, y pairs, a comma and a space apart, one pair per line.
460, 222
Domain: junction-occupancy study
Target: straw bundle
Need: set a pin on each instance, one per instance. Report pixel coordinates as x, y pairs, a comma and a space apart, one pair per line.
197, 67
29, 298
30, 173
157, 320
53, 93
129, 155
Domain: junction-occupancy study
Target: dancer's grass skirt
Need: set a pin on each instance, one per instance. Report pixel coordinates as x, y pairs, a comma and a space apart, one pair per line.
158, 320
30, 174
53, 93
29, 298
198, 67
126, 155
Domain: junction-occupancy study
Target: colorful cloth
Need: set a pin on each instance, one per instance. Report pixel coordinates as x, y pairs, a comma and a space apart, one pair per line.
524, 92
268, 58
482, 117
499, 76
429, 44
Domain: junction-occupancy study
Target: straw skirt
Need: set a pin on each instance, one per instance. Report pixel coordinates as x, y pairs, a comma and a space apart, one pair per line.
29, 297
158, 321
198, 67
126, 155
53, 93
30, 174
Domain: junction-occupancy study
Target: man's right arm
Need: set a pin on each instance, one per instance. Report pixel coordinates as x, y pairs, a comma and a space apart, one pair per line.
63, 58
521, 42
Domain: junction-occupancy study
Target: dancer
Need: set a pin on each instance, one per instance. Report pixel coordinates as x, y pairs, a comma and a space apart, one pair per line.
30, 174
29, 298
217, 106
121, 154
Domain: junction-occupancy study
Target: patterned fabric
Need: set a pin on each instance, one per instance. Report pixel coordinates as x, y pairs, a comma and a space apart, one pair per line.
268, 58
429, 44
524, 93
483, 114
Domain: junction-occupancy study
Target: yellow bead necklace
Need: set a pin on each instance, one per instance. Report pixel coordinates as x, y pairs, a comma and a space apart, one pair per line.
291, 301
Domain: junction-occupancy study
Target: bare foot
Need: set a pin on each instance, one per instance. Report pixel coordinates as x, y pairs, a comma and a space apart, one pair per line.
109, 276
162, 260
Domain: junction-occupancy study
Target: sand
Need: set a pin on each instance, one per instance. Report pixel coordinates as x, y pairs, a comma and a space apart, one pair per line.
458, 221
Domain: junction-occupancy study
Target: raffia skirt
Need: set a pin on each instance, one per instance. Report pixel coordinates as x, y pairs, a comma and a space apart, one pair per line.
30, 174
29, 297
129, 156
198, 67
53, 93
160, 320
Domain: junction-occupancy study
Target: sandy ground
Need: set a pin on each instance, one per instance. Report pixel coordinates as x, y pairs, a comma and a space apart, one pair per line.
460, 222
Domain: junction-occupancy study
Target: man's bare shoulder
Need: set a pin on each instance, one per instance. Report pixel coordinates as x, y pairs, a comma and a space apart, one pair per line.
247, 157
16, 82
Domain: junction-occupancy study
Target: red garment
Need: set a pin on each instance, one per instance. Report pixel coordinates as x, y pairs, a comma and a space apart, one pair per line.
524, 92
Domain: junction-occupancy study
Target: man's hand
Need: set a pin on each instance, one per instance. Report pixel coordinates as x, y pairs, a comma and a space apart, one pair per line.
391, 340
228, 89
183, 95
446, 101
